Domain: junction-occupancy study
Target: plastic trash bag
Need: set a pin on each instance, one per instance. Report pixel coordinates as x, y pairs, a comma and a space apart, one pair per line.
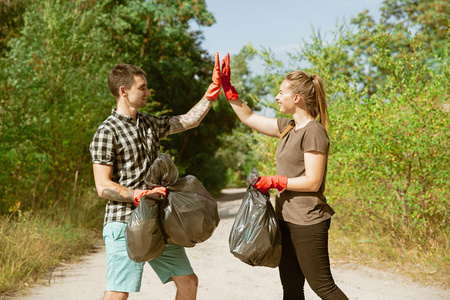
255, 237
162, 172
143, 235
189, 213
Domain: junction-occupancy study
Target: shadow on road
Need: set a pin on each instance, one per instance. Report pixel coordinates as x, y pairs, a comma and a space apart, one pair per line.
229, 202
231, 194
227, 213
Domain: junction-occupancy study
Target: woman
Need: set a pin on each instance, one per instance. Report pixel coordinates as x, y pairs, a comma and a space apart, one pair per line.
301, 157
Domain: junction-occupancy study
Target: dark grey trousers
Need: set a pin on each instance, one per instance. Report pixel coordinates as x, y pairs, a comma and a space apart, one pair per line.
305, 256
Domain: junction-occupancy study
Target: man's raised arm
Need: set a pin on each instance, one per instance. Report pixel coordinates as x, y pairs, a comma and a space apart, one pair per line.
196, 114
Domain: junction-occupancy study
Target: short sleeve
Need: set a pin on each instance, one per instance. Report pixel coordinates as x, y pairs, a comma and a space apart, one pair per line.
163, 125
316, 139
159, 124
282, 123
102, 147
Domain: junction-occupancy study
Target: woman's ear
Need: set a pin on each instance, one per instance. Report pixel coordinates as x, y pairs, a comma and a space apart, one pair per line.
297, 98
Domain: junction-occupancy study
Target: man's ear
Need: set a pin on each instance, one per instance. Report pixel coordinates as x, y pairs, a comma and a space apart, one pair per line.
122, 91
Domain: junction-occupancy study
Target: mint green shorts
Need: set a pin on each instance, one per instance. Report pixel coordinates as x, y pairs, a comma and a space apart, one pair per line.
125, 275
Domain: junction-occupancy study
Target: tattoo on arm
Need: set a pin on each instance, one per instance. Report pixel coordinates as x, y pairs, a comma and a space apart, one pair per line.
176, 125
192, 118
118, 193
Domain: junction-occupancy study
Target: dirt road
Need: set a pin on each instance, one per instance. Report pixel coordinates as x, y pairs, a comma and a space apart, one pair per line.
222, 276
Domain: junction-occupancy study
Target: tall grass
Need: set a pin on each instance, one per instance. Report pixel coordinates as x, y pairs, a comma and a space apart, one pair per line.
357, 239
33, 242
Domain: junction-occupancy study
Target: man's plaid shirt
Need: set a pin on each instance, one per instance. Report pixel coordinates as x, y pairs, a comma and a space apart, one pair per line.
130, 148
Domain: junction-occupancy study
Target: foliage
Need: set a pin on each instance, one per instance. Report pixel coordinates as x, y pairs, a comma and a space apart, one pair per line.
427, 21
389, 105
11, 21
52, 81
238, 156
31, 244
395, 142
54, 93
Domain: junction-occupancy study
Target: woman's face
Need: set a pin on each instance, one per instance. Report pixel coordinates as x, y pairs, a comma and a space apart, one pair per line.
286, 98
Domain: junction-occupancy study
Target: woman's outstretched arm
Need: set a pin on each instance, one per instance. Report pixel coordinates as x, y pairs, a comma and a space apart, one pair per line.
263, 124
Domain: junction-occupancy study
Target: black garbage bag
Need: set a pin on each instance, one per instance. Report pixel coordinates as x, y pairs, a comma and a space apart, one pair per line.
143, 235
255, 237
189, 213
162, 172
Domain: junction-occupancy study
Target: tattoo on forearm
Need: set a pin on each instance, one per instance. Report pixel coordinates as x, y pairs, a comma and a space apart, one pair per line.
175, 124
119, 194
198, 112
192, 118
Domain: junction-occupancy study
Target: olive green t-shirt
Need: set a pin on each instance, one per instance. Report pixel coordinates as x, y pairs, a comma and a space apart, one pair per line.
301, 208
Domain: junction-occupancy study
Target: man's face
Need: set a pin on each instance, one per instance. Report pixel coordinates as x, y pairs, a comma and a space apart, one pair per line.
138, 92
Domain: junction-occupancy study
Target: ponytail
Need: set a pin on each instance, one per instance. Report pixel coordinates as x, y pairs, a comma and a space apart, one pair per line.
321, 102
313, 93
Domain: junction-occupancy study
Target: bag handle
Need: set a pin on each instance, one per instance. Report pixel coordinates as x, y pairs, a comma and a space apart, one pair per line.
286, 130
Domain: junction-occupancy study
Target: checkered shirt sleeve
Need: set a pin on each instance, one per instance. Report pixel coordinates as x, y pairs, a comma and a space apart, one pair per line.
102, 147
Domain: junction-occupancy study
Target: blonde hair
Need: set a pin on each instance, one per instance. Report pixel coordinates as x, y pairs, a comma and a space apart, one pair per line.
312, 91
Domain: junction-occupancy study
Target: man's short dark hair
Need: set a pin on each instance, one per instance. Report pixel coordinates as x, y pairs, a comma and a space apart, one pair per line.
123, 75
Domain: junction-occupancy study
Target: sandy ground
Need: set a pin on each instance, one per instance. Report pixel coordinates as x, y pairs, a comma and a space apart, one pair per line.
222, 276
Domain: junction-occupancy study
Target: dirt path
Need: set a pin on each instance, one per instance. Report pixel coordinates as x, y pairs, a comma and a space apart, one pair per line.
222, 276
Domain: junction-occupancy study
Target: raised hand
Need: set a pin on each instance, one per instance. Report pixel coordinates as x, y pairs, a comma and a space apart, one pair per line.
229, 90
214, 88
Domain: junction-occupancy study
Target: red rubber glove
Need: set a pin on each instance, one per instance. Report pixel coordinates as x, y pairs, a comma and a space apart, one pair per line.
229, 90
154, 193
263, 184
214, 88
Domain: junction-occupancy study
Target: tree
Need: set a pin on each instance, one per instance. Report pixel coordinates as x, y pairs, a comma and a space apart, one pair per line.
425, 21
388, 97
390, 149
54, 92
11, 20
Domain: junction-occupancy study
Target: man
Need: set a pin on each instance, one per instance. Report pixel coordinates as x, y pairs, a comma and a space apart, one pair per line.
122, 149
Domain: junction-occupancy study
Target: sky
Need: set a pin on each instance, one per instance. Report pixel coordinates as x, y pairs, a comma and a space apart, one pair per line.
280, 25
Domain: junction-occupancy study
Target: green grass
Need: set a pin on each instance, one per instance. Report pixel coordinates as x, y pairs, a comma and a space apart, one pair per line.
429, 266
32, 243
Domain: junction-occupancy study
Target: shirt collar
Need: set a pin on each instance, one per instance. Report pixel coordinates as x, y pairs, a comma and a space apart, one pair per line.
122, 117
